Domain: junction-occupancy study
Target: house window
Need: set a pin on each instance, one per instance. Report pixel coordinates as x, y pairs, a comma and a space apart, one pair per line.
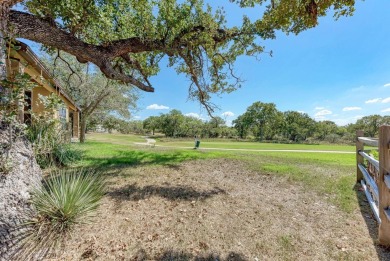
62, 118
62, 114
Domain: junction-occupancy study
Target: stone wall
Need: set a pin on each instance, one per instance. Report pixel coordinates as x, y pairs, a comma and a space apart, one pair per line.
15, 186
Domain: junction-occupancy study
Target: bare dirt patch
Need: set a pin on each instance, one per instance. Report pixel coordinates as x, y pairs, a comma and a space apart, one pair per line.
218, 210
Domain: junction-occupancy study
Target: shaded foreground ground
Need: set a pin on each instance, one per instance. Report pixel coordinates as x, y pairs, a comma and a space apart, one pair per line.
218, 210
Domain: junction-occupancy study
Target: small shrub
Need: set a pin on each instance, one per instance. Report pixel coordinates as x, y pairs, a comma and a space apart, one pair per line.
332, 138
64, 154
374, 154
49, 143
44, 136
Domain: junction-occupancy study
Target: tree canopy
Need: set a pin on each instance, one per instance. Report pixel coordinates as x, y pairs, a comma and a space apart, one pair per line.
264, 122
94, 93
127, 39
175, 124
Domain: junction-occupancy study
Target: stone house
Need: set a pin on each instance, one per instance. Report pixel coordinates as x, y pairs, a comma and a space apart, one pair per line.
24, 60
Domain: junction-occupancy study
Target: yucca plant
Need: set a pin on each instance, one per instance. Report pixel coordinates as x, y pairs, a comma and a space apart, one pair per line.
68, 198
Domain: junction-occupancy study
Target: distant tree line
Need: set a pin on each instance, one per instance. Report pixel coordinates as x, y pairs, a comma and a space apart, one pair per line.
264, 122
260, 122
175, 124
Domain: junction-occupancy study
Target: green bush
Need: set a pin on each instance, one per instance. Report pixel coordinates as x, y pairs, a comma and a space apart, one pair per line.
50, 144
64, 154
374, 154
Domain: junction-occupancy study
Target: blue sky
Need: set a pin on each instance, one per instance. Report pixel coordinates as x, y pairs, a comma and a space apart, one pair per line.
338, 71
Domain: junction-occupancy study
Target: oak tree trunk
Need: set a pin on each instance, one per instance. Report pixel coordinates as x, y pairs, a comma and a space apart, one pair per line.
83, 128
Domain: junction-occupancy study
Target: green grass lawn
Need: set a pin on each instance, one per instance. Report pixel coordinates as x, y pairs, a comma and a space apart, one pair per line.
330, 174
115, 138
257, 145
225, 144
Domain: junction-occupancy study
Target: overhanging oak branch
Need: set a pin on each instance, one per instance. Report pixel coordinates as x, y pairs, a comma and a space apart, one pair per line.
117, 60
47, 32
36, 29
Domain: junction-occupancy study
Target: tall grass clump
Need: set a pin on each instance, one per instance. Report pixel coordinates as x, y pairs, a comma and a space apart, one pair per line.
66, 199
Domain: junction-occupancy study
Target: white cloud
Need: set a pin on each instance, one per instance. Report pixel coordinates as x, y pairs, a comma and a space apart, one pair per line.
193, 114
227, 114
319, 108
387, 100
137, 117
157, 107
386, 110
322, 113
387, 85
376, 100
351, 108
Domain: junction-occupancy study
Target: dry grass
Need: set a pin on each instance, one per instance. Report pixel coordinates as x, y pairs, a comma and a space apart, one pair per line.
219, 210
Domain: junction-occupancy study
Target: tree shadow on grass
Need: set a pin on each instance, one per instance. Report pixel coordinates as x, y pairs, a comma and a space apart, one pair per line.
372, 226
171, 255
173, 193
137, 158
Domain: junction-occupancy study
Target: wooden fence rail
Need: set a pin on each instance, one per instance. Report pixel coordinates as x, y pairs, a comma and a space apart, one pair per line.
374, 176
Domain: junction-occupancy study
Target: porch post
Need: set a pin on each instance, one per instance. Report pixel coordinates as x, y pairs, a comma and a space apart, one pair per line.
76, 120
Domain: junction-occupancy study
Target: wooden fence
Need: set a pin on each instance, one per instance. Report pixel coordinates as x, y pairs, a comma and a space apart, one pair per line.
374, 176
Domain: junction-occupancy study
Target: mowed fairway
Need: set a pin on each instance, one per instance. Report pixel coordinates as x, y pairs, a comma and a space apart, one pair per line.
165, 203
219, 144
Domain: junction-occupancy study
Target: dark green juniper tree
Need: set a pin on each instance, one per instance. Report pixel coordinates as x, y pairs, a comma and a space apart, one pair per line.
127, 39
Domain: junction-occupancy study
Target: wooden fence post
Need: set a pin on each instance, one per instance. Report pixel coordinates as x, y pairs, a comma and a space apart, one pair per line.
359, 158
384, 191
